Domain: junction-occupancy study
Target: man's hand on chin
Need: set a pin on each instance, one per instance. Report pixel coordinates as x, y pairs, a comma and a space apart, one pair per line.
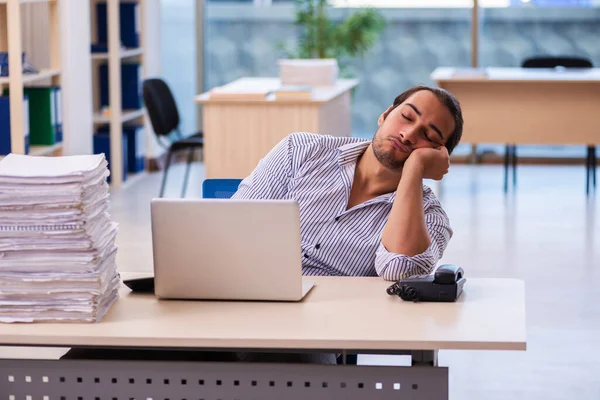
428, 163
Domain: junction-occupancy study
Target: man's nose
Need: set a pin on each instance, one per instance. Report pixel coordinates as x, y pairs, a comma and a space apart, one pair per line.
409, 135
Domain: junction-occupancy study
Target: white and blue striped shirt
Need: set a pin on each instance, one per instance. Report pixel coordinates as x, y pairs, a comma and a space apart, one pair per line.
317, 171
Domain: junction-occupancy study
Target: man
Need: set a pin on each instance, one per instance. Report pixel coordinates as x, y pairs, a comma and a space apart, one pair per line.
364, 210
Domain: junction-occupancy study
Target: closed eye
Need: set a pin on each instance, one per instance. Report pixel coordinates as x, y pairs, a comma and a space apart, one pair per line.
407, 118
427, 136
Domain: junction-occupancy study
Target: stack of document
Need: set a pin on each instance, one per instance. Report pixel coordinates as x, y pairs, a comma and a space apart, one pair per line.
308, 72
57, 241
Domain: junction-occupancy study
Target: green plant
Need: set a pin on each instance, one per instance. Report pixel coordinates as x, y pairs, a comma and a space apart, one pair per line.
321, 37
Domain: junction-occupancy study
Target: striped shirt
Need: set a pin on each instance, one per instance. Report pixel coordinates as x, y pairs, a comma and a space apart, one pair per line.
317, 171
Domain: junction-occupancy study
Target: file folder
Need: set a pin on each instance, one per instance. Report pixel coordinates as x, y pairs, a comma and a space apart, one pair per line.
102, 145
131, 98
42, 115
5, 139
129, 21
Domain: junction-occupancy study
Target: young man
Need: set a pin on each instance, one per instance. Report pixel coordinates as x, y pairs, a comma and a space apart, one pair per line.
364, 210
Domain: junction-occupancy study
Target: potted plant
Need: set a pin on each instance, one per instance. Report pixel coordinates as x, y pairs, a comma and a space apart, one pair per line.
323, 38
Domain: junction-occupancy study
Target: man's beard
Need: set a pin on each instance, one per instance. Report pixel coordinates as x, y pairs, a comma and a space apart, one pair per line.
385, 158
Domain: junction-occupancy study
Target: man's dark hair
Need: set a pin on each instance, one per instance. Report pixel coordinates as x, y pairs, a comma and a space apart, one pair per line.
447, 100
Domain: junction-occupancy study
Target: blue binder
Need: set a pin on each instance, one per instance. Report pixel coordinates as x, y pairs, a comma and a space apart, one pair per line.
131, 98
58, 127
102, 145
136, 147
129, 24
5, 141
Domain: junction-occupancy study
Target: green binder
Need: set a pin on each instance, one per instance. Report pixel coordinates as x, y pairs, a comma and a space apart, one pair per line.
42, 115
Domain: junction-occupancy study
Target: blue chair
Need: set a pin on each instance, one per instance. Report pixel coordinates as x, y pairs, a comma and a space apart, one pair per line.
219, 188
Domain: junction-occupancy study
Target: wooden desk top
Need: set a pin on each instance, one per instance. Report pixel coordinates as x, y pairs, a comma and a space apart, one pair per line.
320, 94
521, 75
338, 313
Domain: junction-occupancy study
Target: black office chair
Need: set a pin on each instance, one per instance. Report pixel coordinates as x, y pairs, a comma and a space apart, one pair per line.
164, 117
510, 153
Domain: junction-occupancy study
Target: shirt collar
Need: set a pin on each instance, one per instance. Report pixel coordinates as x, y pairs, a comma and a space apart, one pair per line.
350, 152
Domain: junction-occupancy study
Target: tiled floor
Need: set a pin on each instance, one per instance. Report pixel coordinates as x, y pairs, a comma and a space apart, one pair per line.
547, 232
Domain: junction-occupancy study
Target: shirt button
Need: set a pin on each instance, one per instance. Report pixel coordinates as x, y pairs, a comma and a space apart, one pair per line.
305, 255
337, 218
317, 246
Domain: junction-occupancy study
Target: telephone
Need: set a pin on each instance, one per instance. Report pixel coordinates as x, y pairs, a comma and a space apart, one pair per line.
444, 285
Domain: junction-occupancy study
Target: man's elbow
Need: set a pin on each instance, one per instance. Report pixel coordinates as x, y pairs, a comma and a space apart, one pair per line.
405, 267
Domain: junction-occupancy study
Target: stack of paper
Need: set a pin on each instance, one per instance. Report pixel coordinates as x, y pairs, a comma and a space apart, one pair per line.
293, 93
57, 241
309, 72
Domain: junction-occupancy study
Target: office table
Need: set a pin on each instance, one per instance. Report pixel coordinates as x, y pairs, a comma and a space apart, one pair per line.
527, 106
339, 315
238, 132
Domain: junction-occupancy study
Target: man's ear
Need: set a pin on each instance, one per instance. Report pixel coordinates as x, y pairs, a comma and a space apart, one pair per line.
384, 115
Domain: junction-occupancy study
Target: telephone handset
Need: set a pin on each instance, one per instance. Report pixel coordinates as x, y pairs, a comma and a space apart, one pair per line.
445, 285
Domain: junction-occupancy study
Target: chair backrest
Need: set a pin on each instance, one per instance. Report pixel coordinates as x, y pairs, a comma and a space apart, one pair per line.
553, 62
161, 106
219, 188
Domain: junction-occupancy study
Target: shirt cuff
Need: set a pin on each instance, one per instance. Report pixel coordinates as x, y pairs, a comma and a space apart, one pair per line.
393, 266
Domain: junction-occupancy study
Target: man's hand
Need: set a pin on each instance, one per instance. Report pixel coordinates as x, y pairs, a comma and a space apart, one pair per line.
431, 163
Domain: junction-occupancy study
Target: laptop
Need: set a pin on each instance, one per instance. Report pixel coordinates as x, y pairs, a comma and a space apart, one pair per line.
227, 249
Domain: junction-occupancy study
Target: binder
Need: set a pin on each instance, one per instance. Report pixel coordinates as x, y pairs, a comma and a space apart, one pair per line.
102, 145
5, 140
58, 127
136, 147
131, 98
42, 115
129, 21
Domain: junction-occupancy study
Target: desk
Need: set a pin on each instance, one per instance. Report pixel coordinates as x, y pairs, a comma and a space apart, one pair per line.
238, 133
338, 315
526, 106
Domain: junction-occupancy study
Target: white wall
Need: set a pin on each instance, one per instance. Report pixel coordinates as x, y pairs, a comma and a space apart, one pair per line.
152, 62
76, 77
179, 58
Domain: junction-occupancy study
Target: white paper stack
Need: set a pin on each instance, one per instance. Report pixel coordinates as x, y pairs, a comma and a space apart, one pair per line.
57, 241
309, 72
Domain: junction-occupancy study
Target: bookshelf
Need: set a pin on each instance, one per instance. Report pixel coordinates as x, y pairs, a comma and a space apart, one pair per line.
114, 57
11, 41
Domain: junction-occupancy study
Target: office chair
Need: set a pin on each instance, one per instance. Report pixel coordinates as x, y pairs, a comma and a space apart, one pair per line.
219, 188
511, 150
164, 117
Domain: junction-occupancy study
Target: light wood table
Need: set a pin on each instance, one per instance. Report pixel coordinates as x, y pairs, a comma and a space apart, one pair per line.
239, 132
338, 315
527, 106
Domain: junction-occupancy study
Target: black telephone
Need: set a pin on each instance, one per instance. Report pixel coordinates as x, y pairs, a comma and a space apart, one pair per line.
444, 285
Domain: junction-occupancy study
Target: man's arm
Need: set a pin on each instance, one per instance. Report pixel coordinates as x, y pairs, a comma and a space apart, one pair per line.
270, 178
392, 266
405, 231
415, 236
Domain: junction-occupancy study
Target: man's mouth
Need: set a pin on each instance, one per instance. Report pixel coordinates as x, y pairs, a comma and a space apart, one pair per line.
399, 146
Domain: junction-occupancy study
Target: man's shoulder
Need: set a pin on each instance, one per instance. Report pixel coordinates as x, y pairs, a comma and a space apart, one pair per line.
323, 141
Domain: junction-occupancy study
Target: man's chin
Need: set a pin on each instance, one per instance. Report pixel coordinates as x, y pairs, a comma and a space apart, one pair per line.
393, 165
392, 160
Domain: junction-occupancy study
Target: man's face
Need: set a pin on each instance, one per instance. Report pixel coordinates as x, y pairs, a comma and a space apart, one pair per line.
420, 121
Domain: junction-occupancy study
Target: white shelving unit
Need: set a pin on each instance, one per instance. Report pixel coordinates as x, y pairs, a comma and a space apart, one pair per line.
115, 56
11, 40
